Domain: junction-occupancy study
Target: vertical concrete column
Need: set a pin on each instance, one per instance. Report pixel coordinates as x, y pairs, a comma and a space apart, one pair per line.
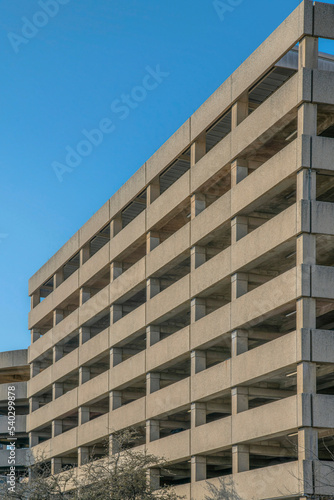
308, 52
152, 241
33, 404
197, 309
153, 191
197, 414
57, 427
153, 335
239, 228
115, 400
84, 374
57, 353
197, 256
116, 313
35, 335
152, 430
33, 439
116, 226
83, 414
239, 285
239, 342
152, 382
152, 287
239, 110
83, 455
153, 477
84, 295
58, 316
84, 254
56, 465
84, 334
35, 299
116, 356
240, 458
57, 390
197, 204
240, 452
239, 171
197, 361
198, 468
306, 185
58, 278
113, 445
307, 444
240, 400
198, 149
35, 369
116, 269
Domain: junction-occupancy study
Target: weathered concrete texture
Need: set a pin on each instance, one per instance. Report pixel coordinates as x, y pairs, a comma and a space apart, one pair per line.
197, 305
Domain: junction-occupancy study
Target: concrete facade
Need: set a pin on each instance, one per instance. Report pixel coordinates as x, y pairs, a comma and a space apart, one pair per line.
197, 304
14, 371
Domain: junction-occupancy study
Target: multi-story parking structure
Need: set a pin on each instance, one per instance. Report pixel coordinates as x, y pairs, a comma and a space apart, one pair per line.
197, 305
14, 372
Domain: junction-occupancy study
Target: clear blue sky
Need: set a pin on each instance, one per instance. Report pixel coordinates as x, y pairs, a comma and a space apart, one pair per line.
64, 78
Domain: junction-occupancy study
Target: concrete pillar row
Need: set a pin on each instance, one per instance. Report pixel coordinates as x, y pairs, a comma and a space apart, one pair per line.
153, 191
116, 313
197, 256
116, 269
115, 400
152, 430
240, 399
239, 342
307, 444
35, 299
83, 414
198, 149
240, 458
84, 254
197, 204
152, 382
58, 278
197, 309
116, 226
57, 427
239, 110
56, 465
239, 171
152, 287
152, 241
84, 374
83, 455
197, 361
153, 477
198, 468
35, 368
239, 228
84, 295
57, 390
84, 334
116, 356
308, 53
57, 353
33, 404
239, 285
58, 316
35, 335
33, 439
153, 335
197, 414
